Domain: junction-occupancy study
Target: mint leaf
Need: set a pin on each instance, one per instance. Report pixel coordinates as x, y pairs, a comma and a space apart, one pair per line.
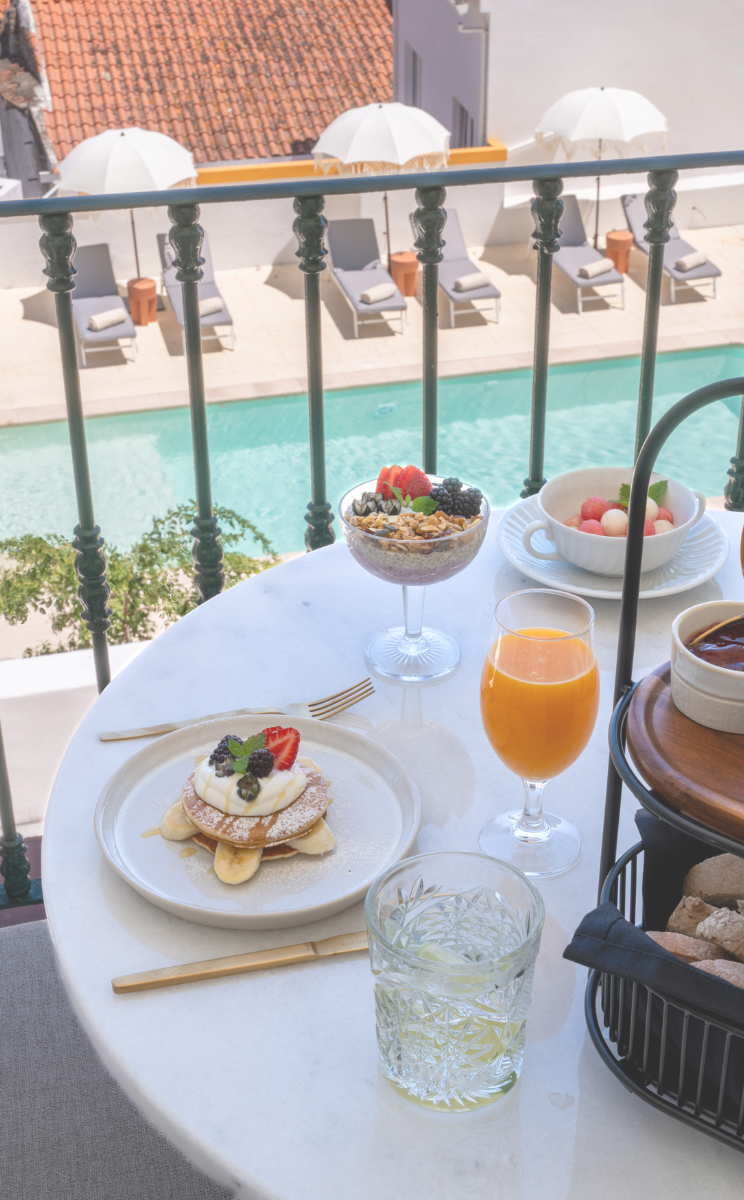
624, 494
235, 748
256, 742
657, 490
424, 505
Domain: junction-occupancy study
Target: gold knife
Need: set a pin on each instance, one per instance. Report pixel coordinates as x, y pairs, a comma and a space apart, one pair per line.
240, 964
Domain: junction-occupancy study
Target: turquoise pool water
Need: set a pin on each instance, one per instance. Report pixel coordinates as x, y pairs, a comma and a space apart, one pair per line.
141, 464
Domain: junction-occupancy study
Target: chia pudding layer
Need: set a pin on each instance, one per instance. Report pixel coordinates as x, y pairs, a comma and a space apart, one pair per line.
411, 561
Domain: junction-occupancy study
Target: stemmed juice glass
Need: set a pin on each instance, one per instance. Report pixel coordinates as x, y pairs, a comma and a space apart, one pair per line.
539, 701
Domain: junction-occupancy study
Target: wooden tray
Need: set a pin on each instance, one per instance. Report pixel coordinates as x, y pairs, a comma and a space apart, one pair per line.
696, 771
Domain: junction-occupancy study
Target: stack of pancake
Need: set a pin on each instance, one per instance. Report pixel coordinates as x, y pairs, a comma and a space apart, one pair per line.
241, 844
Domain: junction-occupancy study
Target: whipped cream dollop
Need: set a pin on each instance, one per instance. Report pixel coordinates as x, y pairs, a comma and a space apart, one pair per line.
276, 791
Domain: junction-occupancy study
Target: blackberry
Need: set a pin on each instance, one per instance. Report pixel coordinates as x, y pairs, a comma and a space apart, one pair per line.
467, 503
443, 498
452, 485
261, 763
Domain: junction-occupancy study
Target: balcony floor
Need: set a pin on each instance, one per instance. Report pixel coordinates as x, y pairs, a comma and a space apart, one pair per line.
269, 358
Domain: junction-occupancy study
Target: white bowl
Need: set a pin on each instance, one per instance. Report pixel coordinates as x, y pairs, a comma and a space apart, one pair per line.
562, 498
711, 696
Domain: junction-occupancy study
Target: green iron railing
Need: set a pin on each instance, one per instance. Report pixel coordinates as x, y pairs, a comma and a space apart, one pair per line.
186, 236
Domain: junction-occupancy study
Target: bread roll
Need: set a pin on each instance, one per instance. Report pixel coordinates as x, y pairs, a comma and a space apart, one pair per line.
689, 949
732, 972
688, 914
719, 881
724, 928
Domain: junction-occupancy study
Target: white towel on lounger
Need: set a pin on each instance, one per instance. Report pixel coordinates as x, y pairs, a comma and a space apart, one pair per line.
600, 267
688, 261
468, 283
381, 291
104, 320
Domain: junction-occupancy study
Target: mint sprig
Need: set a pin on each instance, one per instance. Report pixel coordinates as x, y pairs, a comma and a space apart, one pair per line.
656, 492
243, 752
421, 504
424, 505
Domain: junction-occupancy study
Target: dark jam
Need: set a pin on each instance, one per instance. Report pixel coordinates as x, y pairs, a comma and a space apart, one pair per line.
724, 647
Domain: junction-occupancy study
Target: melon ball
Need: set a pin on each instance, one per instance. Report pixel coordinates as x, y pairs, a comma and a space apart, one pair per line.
615, 523
573, 522
664, 515
652, 509
593, 508
648, 528
616, 505
662, 526
591, 527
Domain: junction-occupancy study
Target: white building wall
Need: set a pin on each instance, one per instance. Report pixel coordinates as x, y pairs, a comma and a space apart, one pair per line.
685, 56
451, 41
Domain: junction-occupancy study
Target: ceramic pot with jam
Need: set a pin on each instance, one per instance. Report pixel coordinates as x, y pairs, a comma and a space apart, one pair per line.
708, 679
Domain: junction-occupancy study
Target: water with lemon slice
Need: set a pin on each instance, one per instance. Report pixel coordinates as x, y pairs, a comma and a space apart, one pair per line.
451, 1006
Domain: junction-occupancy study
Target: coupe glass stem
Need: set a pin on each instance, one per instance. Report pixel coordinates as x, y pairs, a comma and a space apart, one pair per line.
532, 826
413, 611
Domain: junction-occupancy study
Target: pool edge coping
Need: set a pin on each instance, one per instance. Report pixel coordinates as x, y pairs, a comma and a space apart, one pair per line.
374, 377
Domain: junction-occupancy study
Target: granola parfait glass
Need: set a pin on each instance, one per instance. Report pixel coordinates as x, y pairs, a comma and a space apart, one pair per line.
413, 652
453, 940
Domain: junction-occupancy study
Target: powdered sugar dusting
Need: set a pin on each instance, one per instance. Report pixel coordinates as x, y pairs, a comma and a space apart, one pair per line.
282, 826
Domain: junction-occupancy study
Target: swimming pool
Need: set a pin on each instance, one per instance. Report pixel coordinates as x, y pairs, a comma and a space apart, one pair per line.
141, 463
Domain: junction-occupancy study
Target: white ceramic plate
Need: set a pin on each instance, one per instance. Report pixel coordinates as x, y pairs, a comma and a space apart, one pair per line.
702, 555
375, 816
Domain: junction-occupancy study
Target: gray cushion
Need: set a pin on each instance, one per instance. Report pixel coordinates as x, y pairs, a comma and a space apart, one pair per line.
353, 283
207, 286
68, 1130
83, 309
676, 248
568, 259
450, 270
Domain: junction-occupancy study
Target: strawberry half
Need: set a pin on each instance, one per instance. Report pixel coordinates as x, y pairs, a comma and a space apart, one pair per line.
283, 744
387, 480
414, 483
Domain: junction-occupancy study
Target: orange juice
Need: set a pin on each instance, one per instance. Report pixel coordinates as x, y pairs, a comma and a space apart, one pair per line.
539, 700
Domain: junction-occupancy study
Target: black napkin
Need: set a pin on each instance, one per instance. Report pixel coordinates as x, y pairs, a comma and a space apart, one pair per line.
606, 941
668, 856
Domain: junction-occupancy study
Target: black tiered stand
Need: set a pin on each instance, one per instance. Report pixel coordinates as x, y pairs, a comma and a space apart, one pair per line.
663, 1074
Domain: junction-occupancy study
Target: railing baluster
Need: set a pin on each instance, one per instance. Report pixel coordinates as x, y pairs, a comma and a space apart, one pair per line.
660, 201
430, 218
547, 209
186, 237
58, 247
734, 490
309, 228
14, 864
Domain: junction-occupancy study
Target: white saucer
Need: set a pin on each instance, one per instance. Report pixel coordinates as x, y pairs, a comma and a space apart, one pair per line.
702, 555
375, 815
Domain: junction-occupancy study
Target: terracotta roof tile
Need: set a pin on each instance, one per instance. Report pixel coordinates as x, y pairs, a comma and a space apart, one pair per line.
240, 79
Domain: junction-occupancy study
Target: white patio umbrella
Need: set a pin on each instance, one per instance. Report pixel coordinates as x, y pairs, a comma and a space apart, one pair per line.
126, 160
380, 139
596, 119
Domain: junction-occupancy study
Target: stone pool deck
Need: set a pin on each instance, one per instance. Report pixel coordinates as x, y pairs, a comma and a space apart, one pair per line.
269, 358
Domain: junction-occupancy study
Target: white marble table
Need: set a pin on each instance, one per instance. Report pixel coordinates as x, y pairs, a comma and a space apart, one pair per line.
270, 1082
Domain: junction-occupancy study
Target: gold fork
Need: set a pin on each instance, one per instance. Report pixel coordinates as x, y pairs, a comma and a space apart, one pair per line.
319, 710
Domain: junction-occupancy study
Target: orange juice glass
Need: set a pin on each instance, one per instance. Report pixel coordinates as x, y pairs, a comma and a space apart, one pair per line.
539, 700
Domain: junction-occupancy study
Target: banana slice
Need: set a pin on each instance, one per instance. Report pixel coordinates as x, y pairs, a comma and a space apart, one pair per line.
175, 825
235, 864
318, 840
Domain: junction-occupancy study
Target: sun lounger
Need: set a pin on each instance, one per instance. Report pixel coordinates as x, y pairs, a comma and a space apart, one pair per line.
95, 293
356, 267
208, 290
455, 265
675, 248
575, 252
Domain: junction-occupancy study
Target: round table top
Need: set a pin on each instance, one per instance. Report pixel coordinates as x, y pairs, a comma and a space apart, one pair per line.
145, 288
270, 1081
407, 257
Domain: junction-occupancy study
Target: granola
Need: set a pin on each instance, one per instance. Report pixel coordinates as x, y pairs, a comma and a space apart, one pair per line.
412, 526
